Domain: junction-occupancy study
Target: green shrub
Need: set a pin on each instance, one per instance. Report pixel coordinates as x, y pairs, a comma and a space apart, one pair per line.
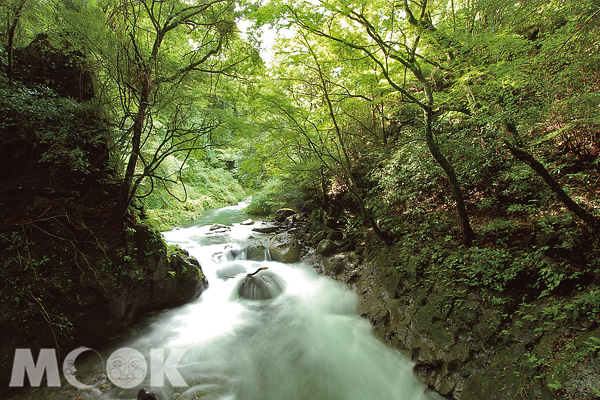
272, 197
196, 188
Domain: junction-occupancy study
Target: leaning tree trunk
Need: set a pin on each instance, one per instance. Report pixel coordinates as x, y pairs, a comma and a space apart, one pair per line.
538, 167
463, 217
383, 235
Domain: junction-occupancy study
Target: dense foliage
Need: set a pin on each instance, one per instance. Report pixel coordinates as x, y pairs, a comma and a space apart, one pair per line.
391, 114
169, 78
390, 102
462, 134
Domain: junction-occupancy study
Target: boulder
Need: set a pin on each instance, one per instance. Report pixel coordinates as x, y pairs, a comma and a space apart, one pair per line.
175, 280
261, 286
318, 237
283, 213
340, 263
335, 235
266, 229
290, 221
255, 251
184, 281
145, 394
219, 227
326, 247
346, 246
284, 248
247, 222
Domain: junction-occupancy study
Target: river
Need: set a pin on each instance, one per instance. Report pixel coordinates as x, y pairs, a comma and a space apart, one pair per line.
305, 342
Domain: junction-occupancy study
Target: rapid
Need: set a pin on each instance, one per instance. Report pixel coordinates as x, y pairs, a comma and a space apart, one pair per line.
284, 333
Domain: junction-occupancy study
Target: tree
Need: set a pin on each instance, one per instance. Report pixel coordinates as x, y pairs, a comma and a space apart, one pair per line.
145, 26
539, 168
320, 117
344, 159
398, 41
159, 67
165, 48
12, 27
528, 70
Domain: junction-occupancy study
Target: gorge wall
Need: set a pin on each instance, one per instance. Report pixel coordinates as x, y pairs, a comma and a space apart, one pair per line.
73, 272
463, 347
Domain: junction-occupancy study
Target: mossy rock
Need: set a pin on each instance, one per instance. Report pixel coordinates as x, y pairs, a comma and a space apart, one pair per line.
284, 248
282, 214
326, 247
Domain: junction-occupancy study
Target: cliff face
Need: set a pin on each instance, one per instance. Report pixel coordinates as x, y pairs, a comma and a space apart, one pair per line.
465, 347
72, 273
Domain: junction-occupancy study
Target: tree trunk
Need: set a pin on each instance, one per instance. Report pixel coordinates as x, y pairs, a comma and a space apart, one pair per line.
346, 163
463, 217
127, 191
538, 167
387, 237
324, 197
10, 45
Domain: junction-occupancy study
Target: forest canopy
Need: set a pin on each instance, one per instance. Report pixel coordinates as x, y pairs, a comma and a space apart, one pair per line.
480, 97
377, 104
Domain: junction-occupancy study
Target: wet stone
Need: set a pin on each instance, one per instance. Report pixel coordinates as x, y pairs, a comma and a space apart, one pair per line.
219, 227
262, 286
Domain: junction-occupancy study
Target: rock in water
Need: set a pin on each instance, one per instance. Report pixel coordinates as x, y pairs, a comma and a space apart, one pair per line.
219, 227
255, 251
266, 229
230, 271
284, 248
145, 394
261, 286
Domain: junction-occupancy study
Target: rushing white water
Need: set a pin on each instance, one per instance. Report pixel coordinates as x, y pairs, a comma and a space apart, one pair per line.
308, 343
305, 343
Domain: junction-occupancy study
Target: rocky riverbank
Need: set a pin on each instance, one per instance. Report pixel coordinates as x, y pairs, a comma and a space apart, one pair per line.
465, 345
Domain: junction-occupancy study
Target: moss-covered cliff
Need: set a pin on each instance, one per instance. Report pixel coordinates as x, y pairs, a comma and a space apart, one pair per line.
72, 272
472, 336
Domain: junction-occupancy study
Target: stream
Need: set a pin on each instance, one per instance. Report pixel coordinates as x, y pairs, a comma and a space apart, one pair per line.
294, 336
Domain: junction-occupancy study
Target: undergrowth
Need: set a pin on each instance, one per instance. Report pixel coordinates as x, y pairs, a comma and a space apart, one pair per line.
198, 187
275, 194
